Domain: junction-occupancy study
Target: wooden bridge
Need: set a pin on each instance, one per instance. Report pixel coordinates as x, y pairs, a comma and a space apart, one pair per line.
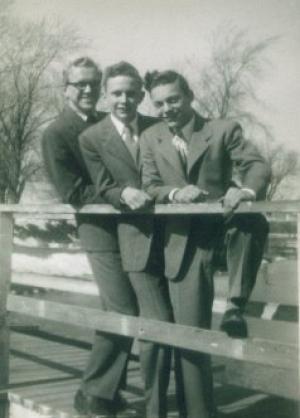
46, 366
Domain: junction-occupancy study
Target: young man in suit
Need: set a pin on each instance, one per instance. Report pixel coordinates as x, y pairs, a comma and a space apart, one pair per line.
111, 152
185, 159
104, 374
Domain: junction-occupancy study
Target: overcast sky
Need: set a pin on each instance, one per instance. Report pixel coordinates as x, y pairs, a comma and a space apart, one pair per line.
158, 33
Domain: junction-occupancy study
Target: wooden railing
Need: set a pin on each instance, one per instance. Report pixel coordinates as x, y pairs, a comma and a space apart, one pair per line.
281, 355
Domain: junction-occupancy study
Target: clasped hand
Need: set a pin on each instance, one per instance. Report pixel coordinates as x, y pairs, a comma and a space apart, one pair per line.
189, 194
135, 199
233, 197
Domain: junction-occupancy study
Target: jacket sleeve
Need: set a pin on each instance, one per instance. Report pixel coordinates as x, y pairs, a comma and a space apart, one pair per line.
252, 169
64, 171
105, 185
151, 179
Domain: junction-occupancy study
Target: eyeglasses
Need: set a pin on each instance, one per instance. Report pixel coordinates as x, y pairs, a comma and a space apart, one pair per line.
81, 85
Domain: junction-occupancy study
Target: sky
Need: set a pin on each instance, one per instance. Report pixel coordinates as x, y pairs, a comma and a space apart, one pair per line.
158, 34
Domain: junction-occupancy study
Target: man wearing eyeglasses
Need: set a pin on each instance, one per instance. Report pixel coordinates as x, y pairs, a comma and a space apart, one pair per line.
105, 371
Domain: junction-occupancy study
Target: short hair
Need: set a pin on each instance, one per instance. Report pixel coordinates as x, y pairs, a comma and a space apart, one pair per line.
85, 62
157, 78
122, 68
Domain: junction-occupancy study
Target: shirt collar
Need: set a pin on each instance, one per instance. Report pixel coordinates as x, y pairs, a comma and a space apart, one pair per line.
120, 125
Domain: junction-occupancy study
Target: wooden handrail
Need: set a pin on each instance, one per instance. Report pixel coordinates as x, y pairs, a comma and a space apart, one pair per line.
255, 350
292, 206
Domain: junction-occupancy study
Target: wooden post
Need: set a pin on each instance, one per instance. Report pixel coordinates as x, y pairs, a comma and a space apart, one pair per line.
6, 241
298, 275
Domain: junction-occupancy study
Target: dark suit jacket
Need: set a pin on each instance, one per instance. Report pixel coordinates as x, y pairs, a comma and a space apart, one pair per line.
217, 153
112, 168
68, 173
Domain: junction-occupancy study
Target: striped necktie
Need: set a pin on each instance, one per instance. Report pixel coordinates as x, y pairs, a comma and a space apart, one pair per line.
181, 145
131, 143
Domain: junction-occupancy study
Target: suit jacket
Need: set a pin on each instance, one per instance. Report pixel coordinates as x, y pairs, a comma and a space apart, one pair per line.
68, 173
112, 168
218, 157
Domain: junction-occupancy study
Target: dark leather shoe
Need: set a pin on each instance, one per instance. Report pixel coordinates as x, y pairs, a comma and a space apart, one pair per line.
87, 405
234, 324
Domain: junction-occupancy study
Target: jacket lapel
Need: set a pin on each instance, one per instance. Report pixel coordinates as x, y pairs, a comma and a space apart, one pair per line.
113, 143
141, 123
169, 152
199, 142
75, 122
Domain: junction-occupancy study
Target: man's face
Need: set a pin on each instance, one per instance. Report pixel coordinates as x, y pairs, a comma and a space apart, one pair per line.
123, 94
83, 88
172, 104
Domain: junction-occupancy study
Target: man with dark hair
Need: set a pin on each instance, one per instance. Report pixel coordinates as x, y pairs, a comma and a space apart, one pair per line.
111, 152
186, 159
104, 375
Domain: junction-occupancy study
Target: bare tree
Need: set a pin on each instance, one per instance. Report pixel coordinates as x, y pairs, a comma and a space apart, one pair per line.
284, 165
29, 53
229, 80
226, 88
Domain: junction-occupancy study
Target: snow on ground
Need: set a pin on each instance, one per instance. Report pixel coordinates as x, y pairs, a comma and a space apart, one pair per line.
37, 255
45, 261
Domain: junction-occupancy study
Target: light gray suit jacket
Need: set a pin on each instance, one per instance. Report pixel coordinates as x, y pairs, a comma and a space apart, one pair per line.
112, 168
217, 151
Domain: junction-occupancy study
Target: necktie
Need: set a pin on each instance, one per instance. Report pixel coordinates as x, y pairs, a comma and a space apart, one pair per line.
130, 142
181, 146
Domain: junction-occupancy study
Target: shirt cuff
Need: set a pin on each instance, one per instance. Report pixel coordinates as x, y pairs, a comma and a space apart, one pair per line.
122, 201
172, 194
250, 191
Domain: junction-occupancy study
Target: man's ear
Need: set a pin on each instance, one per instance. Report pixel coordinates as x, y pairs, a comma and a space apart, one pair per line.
191, 95
103, 91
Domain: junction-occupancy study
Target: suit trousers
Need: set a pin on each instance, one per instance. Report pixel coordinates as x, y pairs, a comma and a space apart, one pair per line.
106, 369
143, 293
192, 297
192, 294
153, 301
245, 238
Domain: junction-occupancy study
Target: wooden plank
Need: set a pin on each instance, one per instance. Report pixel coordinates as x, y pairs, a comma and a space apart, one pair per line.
298, 265
292, 206
42, 390
256, 350
59, 401
49, 353
6, 234
276, 282
41, 216
36, 360
231, 402
268, 329
58, 396
275, 330
268, 379
60, 283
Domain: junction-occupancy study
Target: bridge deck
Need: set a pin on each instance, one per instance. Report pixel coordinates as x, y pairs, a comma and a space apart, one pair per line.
45, 375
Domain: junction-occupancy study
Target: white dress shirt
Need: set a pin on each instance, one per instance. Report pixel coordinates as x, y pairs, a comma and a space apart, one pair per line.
121, 127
